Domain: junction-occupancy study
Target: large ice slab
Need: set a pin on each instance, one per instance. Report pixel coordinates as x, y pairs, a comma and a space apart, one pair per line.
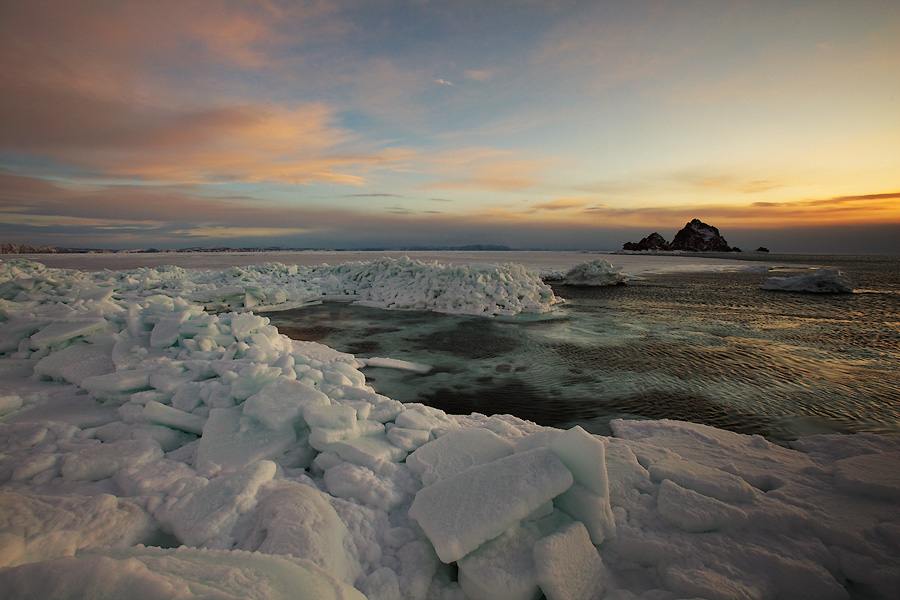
76, 362
455, 452
460, 513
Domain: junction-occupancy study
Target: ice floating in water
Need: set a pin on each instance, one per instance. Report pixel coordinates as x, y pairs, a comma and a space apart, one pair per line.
281, 473
823, 280
598, 272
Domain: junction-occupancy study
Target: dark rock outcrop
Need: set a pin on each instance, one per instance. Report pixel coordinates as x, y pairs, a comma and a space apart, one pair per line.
697, 236
653, 243
762, 249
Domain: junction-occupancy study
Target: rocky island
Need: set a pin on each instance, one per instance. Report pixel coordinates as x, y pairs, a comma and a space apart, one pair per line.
696, 236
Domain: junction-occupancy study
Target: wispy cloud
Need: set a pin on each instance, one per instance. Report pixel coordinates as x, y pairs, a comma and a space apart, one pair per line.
485, 169
560, 205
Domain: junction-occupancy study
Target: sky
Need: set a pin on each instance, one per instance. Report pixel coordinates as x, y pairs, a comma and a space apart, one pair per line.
534, 124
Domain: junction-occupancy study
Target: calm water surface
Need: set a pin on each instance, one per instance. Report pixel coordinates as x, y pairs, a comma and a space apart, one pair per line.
708, 347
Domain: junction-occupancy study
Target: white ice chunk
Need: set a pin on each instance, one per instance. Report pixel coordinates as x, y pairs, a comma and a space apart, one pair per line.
693, 512
591, 509
63, 331
99, 461
873, 475
9, 403
131, 351
244, 324
175, 574
154, 412
166, 331
382, 584
597, 273
336, 416
462, 512
709, 481
455, 452
385, 409
369, 451
321, 438
408, 439
252, 379
821, 280
419, 416
162, 478
36, 527
585, 456
347, 480
298, 520
504, 568
568, 566
111, 385
209, 513
230, 441
282, 403
76, 362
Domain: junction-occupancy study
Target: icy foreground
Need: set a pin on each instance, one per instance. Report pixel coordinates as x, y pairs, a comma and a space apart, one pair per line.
821, 280
153, 449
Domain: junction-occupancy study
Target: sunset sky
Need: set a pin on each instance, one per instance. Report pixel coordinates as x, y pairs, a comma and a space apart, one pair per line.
550, 124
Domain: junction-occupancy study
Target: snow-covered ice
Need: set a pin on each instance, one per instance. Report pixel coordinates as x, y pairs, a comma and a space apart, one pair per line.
156, 444
821, 280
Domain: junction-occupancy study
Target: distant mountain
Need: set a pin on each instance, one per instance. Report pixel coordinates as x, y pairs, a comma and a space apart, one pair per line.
7, 248
696, 236
469, 248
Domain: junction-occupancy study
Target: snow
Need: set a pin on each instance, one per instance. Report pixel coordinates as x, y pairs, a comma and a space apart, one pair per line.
820, 280
154, 443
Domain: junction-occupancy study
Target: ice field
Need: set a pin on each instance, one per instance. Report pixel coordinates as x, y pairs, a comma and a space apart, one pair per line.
159, 438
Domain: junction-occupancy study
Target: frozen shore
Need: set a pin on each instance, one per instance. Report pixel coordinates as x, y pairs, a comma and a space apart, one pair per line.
153, 439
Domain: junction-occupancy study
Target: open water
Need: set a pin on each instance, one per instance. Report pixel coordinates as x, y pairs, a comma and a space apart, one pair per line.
708, 347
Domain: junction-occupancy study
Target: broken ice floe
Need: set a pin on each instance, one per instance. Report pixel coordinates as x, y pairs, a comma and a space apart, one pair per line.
822, 280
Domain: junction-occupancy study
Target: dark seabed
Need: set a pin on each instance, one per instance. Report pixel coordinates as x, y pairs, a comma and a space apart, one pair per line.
706, 347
